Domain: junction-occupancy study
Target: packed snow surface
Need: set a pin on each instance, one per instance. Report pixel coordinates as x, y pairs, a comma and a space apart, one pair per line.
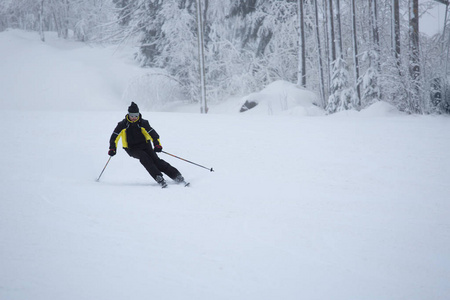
301, 205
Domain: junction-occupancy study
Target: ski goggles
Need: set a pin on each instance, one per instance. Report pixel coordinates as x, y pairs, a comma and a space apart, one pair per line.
133, 115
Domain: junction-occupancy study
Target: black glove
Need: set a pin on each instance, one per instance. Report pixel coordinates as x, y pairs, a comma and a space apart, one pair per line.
158, 148
112, 152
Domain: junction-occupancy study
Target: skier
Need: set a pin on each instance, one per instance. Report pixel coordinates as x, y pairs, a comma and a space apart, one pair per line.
136, 134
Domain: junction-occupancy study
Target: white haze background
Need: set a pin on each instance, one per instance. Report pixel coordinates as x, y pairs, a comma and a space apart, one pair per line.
301, 205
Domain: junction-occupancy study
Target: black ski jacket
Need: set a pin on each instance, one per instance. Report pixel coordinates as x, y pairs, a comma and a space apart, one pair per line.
134, 134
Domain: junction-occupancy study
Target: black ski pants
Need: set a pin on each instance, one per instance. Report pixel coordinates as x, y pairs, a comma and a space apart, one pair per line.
152, 163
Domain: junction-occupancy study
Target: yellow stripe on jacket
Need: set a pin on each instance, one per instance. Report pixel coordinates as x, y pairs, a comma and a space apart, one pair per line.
123, 135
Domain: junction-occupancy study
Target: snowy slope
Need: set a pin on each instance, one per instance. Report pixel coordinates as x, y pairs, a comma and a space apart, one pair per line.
349, 206
61, 75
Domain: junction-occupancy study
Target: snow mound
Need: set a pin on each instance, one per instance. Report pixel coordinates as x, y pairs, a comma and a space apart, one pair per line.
282, 97
380, 109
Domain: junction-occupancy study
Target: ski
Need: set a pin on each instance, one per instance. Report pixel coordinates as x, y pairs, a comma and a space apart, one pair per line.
165, 185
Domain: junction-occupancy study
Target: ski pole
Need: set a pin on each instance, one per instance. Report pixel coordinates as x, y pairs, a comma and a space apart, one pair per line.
210, 169
103, 169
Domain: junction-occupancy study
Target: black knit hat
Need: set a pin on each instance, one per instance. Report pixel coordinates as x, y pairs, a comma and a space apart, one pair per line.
133, 108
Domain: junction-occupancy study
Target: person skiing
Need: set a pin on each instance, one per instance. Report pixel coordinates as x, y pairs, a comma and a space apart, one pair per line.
136, 134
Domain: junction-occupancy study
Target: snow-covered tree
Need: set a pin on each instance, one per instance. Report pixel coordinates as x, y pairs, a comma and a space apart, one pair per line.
80, 17
343, 96
250, 43
370, 84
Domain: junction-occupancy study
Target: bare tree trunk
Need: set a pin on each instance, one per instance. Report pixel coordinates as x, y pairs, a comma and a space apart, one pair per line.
396, 30
331, 55
205, 21
319, 47
375, 30
66, 18
414, 54
41, 21
375, 37
301, 80
374, 23
339, 30
201, 57
332, 44
446, 86
327, 46
57, 23
355, 54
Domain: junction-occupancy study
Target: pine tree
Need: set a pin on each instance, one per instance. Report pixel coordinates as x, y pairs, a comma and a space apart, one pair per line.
148, 21
370, 87
343, 96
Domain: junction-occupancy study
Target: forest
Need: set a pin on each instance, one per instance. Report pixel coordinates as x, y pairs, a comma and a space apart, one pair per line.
351, 53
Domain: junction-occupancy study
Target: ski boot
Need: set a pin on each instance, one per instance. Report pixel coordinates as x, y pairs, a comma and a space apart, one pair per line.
160, 180
180, 179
